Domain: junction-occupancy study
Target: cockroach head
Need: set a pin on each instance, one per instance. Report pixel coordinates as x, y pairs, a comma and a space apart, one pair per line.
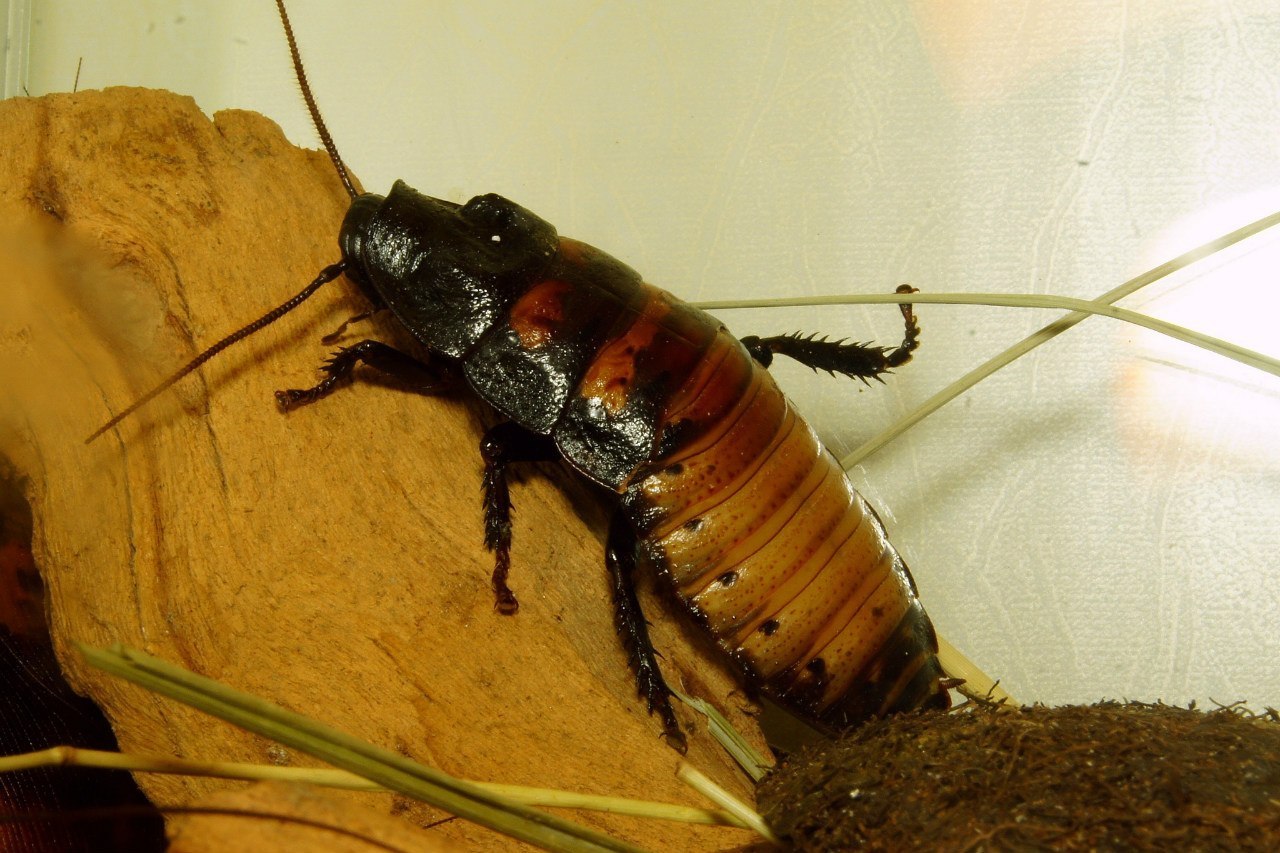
437, 263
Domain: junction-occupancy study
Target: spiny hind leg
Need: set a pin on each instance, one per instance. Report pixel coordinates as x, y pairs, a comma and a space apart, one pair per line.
620, 558
860, 361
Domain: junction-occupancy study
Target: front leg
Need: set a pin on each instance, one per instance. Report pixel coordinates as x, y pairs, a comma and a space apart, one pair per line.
417, 375
503, 444
860, 361
620, 558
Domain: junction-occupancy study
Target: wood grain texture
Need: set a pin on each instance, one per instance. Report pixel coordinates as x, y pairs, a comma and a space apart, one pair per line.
328, 560
303, 818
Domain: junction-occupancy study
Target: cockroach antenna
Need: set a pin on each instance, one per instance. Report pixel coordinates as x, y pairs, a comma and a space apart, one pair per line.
327, 275
321, 128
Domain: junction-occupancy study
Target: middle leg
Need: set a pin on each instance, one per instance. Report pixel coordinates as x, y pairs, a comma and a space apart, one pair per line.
503, 444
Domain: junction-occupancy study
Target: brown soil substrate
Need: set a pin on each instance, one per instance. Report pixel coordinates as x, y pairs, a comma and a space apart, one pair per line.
1102, 777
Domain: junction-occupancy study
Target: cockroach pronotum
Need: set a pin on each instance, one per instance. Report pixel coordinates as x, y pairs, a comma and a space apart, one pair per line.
721, 487
997, 498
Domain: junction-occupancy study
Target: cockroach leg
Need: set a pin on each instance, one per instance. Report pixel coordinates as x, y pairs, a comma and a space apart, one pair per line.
503, 444
910, 337
416, 375
855, 360
620, 558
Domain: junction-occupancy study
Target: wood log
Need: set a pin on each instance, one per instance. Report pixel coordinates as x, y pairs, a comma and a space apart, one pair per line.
302, 818
329, 559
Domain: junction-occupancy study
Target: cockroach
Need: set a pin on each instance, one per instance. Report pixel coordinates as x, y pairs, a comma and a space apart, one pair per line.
719, 485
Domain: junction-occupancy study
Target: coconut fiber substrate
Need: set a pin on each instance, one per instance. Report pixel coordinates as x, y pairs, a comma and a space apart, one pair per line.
1104, 777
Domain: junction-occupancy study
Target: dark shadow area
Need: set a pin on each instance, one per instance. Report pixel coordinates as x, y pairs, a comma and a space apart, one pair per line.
42, 809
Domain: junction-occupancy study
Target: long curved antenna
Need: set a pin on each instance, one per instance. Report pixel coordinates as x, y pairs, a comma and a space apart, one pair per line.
327, 275
311, 103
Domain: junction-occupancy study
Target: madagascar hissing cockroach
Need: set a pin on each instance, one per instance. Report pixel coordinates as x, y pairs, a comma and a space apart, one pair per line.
720, 486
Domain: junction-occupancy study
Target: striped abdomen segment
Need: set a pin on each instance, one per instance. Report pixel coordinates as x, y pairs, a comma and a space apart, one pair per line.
763, 537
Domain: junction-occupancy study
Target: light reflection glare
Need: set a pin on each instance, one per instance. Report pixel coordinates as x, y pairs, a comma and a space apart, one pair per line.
1177, 398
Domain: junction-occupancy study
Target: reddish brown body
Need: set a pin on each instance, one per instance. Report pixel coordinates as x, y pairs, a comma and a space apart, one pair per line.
723, 488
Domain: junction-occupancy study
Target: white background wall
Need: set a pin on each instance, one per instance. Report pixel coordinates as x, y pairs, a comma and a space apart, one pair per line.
1099, 520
